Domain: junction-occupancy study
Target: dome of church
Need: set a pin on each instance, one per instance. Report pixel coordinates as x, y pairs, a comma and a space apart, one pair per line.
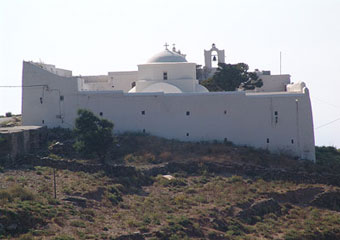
167, 56
159, 87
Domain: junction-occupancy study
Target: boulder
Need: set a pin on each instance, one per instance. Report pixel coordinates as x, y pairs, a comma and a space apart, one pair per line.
329, 200
12, 227
79, 201
132, 236
259, 209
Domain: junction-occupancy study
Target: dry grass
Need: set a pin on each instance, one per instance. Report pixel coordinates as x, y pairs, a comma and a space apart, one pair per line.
190, 206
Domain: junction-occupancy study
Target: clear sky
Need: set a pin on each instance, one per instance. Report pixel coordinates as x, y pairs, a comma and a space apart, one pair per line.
95, 37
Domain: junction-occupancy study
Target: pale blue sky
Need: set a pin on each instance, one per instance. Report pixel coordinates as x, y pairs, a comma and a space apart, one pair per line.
94, 37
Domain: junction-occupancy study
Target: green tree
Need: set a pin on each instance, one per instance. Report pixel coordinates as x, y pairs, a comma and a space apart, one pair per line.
94, 135
229, 77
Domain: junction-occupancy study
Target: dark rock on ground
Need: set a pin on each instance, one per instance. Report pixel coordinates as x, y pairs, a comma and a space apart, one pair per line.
329, 200
95, 195
299, 196
259, 209
132, 236
79, 201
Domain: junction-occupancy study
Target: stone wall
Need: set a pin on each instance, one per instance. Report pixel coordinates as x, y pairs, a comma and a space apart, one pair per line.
20, 140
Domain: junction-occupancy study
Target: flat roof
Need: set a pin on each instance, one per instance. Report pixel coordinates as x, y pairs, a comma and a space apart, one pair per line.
14, 129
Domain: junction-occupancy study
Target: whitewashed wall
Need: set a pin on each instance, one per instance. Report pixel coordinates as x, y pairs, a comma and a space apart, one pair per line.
274, 83
243, 118
123, 80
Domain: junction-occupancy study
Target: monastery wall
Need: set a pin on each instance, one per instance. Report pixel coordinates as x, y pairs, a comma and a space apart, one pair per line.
280, 122
274, 83
123, 80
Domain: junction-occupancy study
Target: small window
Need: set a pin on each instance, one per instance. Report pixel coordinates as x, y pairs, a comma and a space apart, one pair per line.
143, 112
143, 130
225, 112
61, 98
101, 113
113, 86
43, 121
165, 75
133, 84
276, 119
187, 134
41, 100
292, 141
188, 113
267, 140
276, 113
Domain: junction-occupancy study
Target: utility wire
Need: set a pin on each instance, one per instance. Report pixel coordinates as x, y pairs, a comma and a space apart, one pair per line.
326, 124
325, 102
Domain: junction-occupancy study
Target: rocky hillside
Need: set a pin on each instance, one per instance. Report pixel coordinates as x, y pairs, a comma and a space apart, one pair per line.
152, 188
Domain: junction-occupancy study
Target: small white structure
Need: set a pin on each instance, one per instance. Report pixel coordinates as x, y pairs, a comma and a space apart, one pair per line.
164, 98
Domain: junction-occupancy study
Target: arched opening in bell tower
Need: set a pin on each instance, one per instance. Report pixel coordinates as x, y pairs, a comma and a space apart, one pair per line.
214, 59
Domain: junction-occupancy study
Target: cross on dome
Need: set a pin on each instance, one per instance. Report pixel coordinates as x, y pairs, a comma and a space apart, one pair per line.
166, 45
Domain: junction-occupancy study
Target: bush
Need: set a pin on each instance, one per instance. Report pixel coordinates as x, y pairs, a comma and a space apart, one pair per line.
78, 223
114, 194
327, 156
8, 114
64, 237
16, 192
94, 135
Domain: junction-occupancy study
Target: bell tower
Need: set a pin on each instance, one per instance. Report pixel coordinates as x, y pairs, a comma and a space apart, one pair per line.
214, 54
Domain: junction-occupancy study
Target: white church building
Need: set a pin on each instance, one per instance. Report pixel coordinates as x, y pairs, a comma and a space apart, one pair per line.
164, 98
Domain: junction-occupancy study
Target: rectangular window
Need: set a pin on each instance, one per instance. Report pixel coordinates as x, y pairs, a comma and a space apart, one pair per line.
267, 140
143, 112
165, 75
188, 113
61, 98
276, 117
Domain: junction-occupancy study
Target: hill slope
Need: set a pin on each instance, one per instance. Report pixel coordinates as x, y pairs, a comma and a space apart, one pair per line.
154, 188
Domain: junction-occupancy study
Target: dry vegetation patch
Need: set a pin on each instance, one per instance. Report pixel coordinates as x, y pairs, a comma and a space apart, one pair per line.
216, 191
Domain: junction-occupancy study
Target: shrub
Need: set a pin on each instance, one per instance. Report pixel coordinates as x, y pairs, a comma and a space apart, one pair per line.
94, 135
63, 237
16, 192
327, 156
114, 198
27, 236
8, 114
78, 223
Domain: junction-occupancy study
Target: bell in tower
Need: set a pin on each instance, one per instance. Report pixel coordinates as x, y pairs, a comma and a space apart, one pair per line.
213, 55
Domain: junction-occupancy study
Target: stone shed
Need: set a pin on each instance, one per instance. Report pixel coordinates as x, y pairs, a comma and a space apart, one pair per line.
19, 140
